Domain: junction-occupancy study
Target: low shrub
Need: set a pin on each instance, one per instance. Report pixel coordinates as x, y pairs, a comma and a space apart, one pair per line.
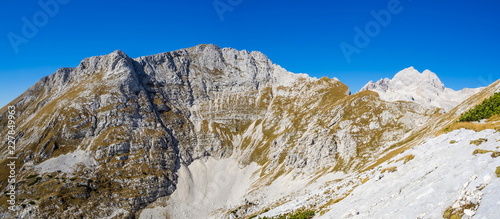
485, 110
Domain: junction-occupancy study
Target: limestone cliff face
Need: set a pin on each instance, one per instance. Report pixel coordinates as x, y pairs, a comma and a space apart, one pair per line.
107, 138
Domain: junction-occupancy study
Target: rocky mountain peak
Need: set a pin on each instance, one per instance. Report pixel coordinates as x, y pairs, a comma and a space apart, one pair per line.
411, 77
408, 72
119, 53
424, 88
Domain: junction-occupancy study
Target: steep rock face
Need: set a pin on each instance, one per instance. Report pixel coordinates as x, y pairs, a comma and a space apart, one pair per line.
102, 108
424, 88
132, 124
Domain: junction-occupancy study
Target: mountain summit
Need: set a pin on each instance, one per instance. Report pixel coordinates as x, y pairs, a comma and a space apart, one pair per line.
424, 88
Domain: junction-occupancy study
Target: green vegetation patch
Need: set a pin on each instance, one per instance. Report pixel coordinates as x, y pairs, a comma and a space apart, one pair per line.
478, 141
480, 151
498, 171
32, 176
458, 213
485, 110
35, 181
451, 214
495, 154
299, 214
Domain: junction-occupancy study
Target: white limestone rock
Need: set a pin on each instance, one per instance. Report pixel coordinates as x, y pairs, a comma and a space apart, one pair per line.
424, 88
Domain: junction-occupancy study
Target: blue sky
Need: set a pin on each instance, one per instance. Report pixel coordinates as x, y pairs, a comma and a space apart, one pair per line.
456, 39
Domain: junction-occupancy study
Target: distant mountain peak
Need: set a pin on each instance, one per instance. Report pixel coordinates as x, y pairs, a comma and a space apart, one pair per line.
424, 88
413, 78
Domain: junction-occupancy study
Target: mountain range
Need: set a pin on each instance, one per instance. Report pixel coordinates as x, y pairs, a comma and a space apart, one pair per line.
209, 132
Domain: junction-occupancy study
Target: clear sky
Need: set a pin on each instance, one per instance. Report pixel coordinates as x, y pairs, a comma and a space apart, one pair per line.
458, 40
